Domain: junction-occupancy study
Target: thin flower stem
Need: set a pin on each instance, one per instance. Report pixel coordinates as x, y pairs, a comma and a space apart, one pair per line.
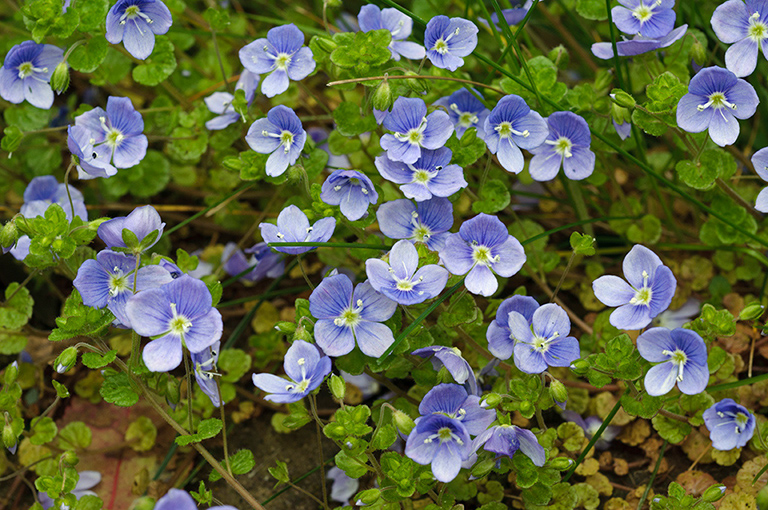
562, 278
421, 77
223, 428
209, 208
616, 64
135, 349
383, 247
739, 199
189, 390
304, 272
701, 456
653, 477
313, 407
22, 285
66, 186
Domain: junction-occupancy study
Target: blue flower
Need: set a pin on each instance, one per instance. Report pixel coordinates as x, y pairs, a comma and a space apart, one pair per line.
135, 23
465, 111
715, 99
204, 363
178, 314
744, 25
682, 358
501, 343
342, 486
293, 227
515, 15
430, 175
760, 163
177, 499
543, 342
108, 281
451, 359
117, 134
447, 40
414, 130
480, 249
512, 125
351, 190
280, 135
398, 24
730, 425
320, 137
672, 319
86, 481
142, 221
624, 130
505, 440
590, 425
92, 161
638, 45
650, 18
649, 291
568, 146
264, 262
306, 367
345, 317
220, 103
26, 73
43, 191
425, 222
401, 280
282, 54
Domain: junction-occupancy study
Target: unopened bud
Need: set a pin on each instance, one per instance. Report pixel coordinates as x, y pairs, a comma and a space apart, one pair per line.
286, 327
8, 235
383, 96
143, 503
620, 114
11, 373
491, 400
338, 387
698, 53
60, 77
369, 497
9, 438
482, 468
325, 44
560, 57
403, 422
172, 392
623, 99
714, 493
70, 457
580, 366
751, 312
416, 85
66, 359
527, 409
558, 391
561, 463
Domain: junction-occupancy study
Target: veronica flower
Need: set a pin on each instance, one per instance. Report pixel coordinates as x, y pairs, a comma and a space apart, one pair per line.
744, 25
682, 358
512, 125
760, 163
672, 319
501, 342
567, 145
414, 130
342, 487
367, 385
108, 281
451, 359
86, 481
465, 111
345, 317
590, 425
135, 23
43, 191
649, 291
178, 314
638, 45
480, 249
401, 280
92, 161
304, 365
264, 263
177, 499
142, 221
280, 135
293, 227
715, 99
282, 54
448, 40
26, 73
351, 190
204, 363
425, 222
730, 425
543, 342
320, 137
119, 129
220, 103
430, 175
649, 18
398, 24
505, 440
624, 130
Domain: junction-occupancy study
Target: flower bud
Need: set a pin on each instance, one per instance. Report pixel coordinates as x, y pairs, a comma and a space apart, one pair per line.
143, 503
286, 327
325, 44
527, 408
9, 438
403, 422
9, 234
172, 392
11, 373
491, 400
620, 114
560, 57
416, 85
762, 499
369, 497
714, 493
558, 391
698, 53
561, 463
751, 312
338, 387
66, 359
69, 457
580, 366
623, 99
482, 468
60, 77
383, 96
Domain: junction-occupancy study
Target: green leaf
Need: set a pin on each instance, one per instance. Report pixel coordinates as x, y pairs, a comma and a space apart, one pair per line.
280, 472
142, 434
595, 10
582, 244
87, 57
96, 360
646, 231
16, 311
117, 390
159, 66
494, 197
385, 438
349, 122
696, 175
234, 363
364, 51
466, 150
353, 466
461, 310
26, 117
544, 74
11, 342
44, 430
241, 462
89, 502
673, 431
75, 436
206, 429
146, 179
218, 19
76, 319
92, 14
12, 138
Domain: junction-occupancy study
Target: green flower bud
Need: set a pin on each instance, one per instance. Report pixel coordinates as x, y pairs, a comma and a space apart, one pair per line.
60, 77
172, 392
762, 499
491, 400
751, 312
9, 234
622, 98
9, 438
698, 53
580, 366
561, 463
526, 408
558, 391
416, 85
143, 503
338, 387
325, 44
286, 327
714, 493
69, 457
11, 373
66, 359
383, 96
560, 57
333, 3
369, 497
482, 468
403, 422
620, 114
301, 333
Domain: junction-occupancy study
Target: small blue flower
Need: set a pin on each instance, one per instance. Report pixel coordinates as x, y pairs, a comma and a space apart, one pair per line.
451, 359
280, 135
342, 486
306, 367
430, 175
682, 358
730, 425
220, 103
760, 163
135, 23
398, 24
505, 440
401, 280
480, 249
177, 499
590, 425
425, 222
501, 343
448, 40
543, 342
649, 291
512, 16
624, 130
638, 45
715, 99
86, 481
204, 363
672, 319
108, 281
45, 190
117, 134
345, 317
92, 161
142, 221
512, 125
293, 227
178, 314
466, 111
282, 54
744, 25
649, 18
320, 137
568, 146
414, 130
264, 263
26, 73
351, 190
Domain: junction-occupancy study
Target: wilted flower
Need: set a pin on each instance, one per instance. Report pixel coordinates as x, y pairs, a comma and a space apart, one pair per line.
144, 222
451, 359
264, 262
220, 103
505, 440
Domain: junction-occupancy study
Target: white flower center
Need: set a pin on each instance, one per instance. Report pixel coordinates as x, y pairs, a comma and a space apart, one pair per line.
350, 317
179, 324
757, 30
415, 135
482, 255
506, 130
441, 45
643, 295
677, 357
643, 13
717, 100
562, 146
